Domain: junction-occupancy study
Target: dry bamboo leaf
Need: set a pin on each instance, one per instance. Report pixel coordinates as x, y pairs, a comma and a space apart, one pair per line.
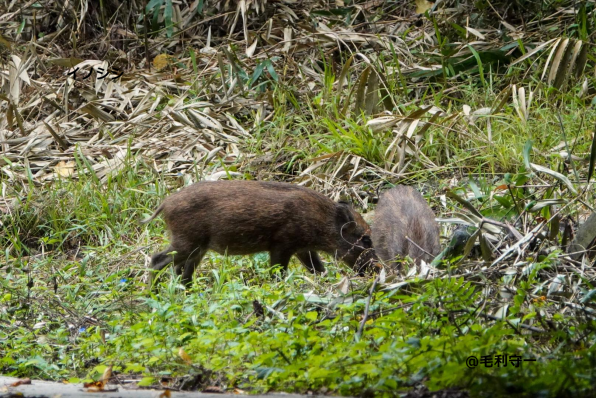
341, 168
418, 113
99, 72
392, 147
475, 33
585, 235
560, 64
577, 49
242, 7
13, 79
502, 98
312, 167
360, 91
522, 103
508, 26
96, 113
356, 162
556, 286
217, 175
205, 120
344, 73
372, 94
529, 103
412, 128
61, 143
550, 57
251, 49
514, 94
534, 51
287, 39
428, 124
382, 123
580, 63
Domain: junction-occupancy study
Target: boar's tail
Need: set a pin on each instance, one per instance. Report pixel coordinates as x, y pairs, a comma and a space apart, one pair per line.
159, 209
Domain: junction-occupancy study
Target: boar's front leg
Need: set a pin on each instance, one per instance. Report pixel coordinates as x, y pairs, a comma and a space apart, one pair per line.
282, 258
311, 261
162, 259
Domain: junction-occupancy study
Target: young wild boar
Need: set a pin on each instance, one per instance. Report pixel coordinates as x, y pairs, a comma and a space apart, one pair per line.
400, 214
245, 217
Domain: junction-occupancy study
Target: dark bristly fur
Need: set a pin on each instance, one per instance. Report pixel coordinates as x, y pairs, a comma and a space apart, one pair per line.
245, 217
402, 212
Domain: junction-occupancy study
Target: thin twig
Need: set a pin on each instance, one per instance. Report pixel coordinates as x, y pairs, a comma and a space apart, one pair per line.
414, 243
361, 327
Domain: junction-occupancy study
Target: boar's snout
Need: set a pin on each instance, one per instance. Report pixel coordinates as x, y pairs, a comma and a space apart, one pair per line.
362, 257
356, 246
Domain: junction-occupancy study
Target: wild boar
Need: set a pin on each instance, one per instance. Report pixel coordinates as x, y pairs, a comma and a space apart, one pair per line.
245, 217
403, 213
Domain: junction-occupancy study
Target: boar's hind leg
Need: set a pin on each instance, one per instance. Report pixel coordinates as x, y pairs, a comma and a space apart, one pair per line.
282, 258
311, 261
190, 265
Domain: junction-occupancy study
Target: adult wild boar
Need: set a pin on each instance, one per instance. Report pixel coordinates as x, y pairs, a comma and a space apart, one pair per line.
403, 213
245, 217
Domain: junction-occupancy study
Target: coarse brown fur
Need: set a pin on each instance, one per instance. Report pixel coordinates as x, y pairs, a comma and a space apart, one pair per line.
403, 213
245, 217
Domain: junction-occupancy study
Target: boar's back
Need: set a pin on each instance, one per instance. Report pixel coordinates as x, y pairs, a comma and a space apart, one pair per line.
401, 212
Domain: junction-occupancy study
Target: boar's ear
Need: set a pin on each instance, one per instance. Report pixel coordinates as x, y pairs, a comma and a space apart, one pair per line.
344, 215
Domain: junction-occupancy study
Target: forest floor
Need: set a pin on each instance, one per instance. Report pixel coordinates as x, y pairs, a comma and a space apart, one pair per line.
487, 111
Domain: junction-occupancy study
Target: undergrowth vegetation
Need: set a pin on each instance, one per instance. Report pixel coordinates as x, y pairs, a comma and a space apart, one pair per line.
494, 127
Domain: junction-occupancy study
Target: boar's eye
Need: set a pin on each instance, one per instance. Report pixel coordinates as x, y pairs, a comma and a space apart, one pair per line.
366, 241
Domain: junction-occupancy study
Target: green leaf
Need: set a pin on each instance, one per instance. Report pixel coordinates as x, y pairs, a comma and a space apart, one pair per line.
556, 175
134, 367
146, 381
592, 158
527, 149
271, 70
257, 73
152, 4
167, 15
311, 316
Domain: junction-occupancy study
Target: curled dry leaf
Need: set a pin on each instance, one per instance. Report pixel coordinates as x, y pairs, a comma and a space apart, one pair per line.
422, 6
107, 374
165, 394
185, 357
64, 169
162, 61
213, 390
21, 382
382, 123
